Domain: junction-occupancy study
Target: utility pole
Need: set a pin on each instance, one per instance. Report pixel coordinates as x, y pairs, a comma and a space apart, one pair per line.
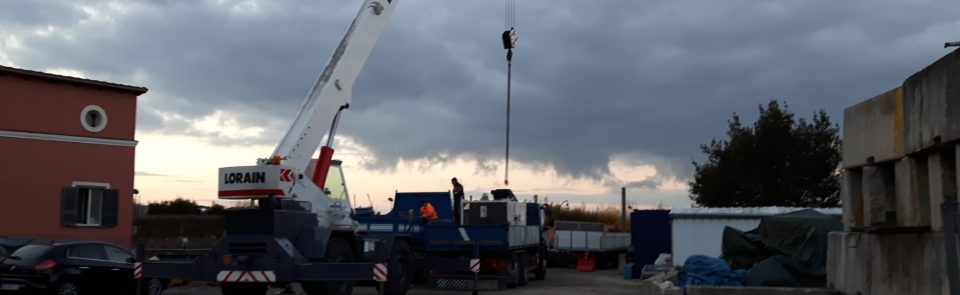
623, 208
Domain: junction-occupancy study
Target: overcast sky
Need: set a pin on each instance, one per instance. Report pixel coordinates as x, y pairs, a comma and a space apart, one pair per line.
606, 93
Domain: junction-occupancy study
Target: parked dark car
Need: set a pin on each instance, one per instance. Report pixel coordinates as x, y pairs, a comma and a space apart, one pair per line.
72, 268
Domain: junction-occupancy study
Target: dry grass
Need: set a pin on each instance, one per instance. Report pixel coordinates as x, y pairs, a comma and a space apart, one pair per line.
609, 215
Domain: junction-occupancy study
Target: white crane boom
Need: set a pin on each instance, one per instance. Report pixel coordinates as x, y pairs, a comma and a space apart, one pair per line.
334, 86
282, 175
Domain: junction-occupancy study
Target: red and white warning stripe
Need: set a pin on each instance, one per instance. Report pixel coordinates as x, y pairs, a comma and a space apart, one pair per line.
475, 265
380, 272
253, 276
137, 270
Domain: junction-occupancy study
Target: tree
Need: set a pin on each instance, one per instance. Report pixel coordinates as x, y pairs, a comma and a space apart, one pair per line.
179, 206
216, 209
778, 162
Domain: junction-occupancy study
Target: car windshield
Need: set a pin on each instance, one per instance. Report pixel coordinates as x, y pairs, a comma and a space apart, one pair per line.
30, 253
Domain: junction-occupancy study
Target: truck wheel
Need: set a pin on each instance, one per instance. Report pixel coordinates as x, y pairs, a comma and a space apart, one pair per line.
512, 267
400, 268
541, 272
338, 251
243, 289
522, 272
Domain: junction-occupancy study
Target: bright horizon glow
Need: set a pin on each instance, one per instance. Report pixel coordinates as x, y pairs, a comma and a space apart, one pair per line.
185, 166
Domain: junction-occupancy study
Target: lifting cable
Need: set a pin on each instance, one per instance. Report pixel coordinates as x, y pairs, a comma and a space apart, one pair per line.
509, 38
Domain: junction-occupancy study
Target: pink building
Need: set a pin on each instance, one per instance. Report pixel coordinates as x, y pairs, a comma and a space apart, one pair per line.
68, 152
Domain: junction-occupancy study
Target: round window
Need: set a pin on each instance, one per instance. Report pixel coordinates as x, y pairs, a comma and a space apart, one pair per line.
93, 118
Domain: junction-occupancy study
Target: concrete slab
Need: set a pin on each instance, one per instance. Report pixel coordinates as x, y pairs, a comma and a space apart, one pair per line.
879, 194
648, 287
931, 104
873, 130
913, 199
851, 198
718, 290
886, 264
941, 176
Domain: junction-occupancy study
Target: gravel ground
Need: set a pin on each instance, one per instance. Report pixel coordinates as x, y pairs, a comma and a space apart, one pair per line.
559, 281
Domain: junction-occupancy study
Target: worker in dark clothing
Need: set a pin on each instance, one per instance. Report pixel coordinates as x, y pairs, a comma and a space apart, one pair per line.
457, 200
427, 212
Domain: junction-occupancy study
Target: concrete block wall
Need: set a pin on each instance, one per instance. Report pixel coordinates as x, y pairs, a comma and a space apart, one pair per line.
912, 192
911, 189
873, 130
886, 264
900, 150
851, 198
931, 104
900, 159
941, 175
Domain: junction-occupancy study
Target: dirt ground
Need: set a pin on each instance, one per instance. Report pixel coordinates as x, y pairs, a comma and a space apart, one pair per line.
559, 281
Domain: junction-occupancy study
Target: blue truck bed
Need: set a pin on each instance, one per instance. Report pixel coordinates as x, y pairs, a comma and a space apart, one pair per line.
404, 218
450, 237
443, 234
445, 249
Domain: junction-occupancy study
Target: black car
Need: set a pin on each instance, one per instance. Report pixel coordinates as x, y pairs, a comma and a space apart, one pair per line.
72, 268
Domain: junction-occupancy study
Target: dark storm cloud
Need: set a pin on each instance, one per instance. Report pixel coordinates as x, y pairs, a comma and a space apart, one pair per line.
592, 79
649, 183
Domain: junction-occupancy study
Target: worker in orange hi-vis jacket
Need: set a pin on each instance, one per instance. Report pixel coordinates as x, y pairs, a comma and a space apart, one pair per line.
427, 212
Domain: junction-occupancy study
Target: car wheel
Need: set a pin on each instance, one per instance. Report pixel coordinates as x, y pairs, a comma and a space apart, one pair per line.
67, 289
153, 287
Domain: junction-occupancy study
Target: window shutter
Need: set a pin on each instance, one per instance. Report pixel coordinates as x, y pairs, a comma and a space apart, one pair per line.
111, 199
69, 196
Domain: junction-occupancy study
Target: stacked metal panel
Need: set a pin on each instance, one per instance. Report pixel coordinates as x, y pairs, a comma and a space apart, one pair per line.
587, 236
495, 213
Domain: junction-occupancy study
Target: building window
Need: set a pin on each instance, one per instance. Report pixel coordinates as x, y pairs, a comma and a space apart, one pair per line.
93, 118
88, 206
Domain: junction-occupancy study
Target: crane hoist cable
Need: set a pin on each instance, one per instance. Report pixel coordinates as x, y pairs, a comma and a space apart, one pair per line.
509, 39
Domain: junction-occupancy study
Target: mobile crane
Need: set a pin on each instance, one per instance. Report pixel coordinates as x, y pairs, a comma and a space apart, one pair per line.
300, 231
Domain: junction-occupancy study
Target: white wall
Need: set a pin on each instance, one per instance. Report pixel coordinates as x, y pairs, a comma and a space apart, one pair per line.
703, 236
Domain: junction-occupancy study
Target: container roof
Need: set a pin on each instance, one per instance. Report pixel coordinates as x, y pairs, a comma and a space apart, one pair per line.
28, 74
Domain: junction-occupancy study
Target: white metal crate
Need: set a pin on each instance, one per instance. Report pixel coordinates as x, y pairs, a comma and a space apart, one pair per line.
521, 235
587, 236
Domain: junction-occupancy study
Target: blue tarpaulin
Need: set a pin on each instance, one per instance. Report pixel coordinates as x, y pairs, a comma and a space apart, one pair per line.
700, 270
